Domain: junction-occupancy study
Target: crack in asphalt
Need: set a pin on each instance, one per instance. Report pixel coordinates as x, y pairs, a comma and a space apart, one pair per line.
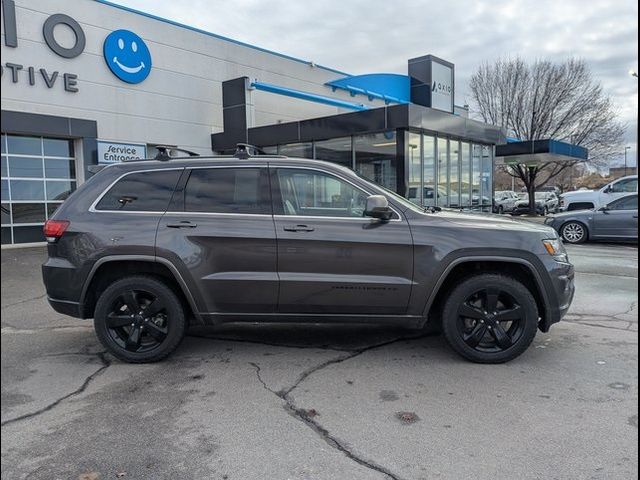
585, 319
302, 415
106, 363
24, 301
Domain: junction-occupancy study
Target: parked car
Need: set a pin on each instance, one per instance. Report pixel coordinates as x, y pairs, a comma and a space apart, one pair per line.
147, 247
550, 188
617, 220
589, 199
546, 202
504, 201
445, 199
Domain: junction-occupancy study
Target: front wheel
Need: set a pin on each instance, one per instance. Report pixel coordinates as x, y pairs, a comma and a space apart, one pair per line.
574, 232
139, 319
490, 318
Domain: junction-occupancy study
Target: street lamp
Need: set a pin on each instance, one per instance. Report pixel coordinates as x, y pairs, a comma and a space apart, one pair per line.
633, 73
625, 160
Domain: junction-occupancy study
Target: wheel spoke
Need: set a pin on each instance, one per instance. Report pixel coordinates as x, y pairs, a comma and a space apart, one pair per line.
133, 340
470, 311
131, 301
492, 299
158, 333
116, 321
502, 337
510, 315
477, 334
155, 307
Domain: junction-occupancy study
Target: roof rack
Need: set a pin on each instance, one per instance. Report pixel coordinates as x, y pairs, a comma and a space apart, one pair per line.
163, 152
245, 150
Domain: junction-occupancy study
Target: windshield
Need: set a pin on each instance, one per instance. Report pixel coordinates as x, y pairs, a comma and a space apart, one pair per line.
541, 195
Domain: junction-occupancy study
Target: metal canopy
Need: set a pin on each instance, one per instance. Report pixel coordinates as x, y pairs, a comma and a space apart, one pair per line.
537, 152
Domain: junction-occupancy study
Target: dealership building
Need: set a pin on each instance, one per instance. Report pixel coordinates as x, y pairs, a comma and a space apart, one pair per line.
90, 82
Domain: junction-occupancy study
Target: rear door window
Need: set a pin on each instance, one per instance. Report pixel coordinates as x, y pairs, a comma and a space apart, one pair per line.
141, 192
228, 190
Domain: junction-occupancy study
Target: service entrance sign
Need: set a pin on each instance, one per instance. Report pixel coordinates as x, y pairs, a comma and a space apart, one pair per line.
110, 152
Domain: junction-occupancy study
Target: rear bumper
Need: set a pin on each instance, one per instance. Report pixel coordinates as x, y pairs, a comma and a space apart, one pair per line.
65, 307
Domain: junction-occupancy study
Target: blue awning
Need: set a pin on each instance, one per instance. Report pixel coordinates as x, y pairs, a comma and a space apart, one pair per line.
537, 152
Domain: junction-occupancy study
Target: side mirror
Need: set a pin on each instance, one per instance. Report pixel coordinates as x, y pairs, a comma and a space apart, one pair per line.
378, 207
604, 209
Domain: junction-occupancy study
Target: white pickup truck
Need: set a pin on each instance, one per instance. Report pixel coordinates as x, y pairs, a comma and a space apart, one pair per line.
588, 199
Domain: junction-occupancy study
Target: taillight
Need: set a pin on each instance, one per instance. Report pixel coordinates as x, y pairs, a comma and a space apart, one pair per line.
54, 229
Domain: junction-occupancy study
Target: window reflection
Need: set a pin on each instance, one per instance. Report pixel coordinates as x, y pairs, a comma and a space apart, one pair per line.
465, 174
443, 162
336, 150
429, 170
376, 158
476, 160
454, 173
414, 192
300, 150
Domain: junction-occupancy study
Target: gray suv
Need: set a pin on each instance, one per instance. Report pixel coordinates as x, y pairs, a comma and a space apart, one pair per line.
146, 248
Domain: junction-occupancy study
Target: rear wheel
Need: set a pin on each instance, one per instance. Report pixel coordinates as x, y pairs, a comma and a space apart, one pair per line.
574, 232
490, 318
139, 319
500, 210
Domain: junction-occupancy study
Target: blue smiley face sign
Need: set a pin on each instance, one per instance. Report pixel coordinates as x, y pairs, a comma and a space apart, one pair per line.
127, 56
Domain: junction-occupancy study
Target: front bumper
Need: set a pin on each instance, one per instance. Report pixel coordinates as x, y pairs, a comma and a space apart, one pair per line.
562, 290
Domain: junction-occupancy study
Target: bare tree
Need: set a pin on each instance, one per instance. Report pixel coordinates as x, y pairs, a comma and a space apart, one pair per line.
547, 100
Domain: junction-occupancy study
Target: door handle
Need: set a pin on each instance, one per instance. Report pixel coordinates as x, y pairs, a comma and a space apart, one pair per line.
183, 224
298, 228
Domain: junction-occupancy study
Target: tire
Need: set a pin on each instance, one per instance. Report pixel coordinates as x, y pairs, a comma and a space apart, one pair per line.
480, 337
156, 314
500, 210
574, 232
545, 212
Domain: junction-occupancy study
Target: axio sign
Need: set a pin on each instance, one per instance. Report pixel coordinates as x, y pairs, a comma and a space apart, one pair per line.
125, 53
442, 86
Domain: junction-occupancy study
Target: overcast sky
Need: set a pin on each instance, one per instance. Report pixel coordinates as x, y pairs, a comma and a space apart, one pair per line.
379, 36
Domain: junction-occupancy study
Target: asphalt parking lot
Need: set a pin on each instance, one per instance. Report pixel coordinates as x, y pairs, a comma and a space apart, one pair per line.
318, 402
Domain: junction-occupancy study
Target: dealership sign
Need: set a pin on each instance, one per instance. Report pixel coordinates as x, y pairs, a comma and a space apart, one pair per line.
125, 53
110, 152
442, 86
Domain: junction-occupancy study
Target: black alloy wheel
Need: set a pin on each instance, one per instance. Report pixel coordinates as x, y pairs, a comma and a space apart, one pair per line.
139, 319
490, 318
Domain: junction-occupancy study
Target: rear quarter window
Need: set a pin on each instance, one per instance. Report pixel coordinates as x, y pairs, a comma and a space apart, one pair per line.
141, 191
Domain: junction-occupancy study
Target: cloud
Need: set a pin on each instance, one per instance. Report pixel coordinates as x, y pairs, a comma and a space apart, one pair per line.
363, 36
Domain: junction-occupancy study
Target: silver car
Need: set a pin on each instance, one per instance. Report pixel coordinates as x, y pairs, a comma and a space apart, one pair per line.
617, 220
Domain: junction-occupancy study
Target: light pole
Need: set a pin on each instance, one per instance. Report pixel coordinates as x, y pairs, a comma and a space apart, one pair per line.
633, 73
625, 159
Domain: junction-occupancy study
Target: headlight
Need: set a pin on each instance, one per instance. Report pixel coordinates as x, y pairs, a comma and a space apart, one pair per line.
555, 248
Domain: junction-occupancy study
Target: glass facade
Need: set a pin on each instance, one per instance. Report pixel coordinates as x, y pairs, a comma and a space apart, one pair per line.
38, 174
442, 171
376, 158
337, 150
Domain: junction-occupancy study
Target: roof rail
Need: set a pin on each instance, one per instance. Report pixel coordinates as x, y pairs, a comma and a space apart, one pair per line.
245, 150
163, 154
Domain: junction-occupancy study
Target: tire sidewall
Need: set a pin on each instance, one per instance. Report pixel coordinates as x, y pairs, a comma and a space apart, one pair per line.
507, 284
175, 316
